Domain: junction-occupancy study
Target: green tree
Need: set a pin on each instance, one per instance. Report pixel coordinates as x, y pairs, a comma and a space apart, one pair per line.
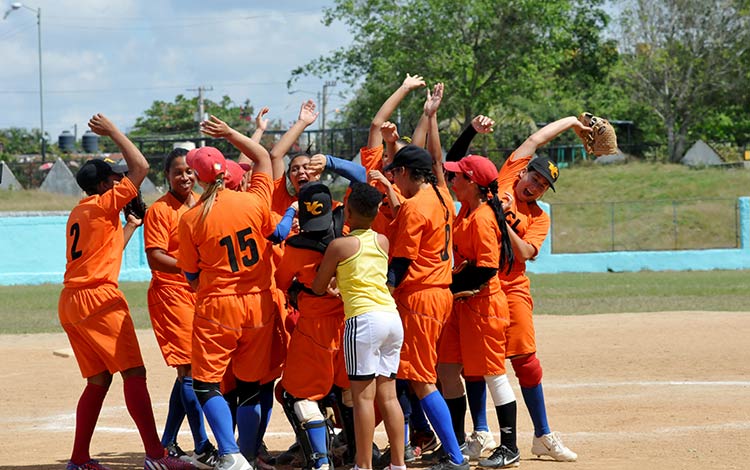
684, 60
488, 53
16, 141
179, 119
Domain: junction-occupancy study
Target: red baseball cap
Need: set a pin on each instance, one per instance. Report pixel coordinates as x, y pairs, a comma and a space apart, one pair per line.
234, 174
208, 163
479, 169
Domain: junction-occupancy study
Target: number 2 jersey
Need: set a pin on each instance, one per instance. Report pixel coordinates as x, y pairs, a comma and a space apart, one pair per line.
94, 238
229, 248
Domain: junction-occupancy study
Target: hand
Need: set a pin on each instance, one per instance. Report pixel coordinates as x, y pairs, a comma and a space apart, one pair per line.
260, 123
134, 221
434, 99
507, 202
317, 164
295, 226
215, 127
295, 206
464, 294
412, 82
389, 132
307, 112
101, 125
578, 127
333, 288
482, 124
378, 177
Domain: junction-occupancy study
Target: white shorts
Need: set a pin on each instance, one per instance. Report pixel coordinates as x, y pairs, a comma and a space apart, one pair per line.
372, 345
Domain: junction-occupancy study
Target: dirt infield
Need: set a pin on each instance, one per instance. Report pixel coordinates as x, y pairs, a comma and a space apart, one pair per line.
653, 391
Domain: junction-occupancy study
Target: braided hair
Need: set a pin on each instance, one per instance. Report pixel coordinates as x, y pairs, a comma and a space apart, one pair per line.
209, 195
428, 176
507, 256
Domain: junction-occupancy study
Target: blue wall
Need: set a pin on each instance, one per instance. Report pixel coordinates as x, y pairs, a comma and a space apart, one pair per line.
33, 252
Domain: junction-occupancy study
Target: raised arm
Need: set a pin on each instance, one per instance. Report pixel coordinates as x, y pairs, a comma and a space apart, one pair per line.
260, 124
215, 127
431, 106
411, 82
480, 124
137, 163
546, 134
307, 116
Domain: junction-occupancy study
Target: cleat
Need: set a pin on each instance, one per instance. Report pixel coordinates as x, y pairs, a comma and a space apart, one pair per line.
448, 464
479, 442
425, 441
207, 459
174, 450
261, 464
439, 454
410, 455
233, 462
551, 444
502, 457
166, 463
90, 465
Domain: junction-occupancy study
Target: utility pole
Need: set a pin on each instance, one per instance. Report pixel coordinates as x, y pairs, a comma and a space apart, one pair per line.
324, 101
200, 116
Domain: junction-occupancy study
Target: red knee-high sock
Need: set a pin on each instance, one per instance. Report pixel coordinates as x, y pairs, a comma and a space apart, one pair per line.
87, 413
138, 403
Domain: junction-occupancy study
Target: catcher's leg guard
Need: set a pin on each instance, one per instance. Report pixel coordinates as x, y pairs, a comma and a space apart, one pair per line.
307, 422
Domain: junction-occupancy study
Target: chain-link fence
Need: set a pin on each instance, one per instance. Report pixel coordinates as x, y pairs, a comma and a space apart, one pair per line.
686, 224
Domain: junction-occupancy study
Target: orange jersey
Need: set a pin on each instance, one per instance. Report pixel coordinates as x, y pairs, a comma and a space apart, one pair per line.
281, 199
372, 159
476, 239
422, 234
229, 248
160, 231
94, 237
528, 220
302, 264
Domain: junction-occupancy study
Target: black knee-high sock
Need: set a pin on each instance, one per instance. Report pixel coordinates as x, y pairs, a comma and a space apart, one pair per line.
506, 417
457, 407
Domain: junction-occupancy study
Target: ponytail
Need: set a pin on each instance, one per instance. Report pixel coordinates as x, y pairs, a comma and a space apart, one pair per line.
507, 256
209, 195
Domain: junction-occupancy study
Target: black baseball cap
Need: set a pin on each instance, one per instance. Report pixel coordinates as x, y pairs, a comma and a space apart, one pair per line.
315, 206
98, 169
546, 167
411, 156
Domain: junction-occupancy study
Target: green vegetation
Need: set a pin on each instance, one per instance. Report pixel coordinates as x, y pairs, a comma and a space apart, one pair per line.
33, 309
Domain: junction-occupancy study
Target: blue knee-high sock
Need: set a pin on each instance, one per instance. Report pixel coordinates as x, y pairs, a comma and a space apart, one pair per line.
318, 434
440, 418
175, 415
402, 392
534, 399
266, 405
194, 415
248, 420
476, 393
220, 419
418, 421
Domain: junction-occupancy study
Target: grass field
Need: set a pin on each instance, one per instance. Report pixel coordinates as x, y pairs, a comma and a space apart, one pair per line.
33, 309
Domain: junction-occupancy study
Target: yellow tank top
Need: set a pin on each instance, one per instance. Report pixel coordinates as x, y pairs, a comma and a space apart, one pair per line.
361, 278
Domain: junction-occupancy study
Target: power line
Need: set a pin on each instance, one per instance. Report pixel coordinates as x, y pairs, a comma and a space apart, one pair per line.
111, 90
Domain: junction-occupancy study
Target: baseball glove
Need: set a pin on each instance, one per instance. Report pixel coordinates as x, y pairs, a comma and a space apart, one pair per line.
136, 207
601, 140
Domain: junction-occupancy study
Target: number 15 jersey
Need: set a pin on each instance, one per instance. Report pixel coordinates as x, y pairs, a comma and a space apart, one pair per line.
229, 248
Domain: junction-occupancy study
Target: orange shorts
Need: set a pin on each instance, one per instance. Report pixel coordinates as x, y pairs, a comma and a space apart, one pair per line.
474, 335
423, 314
237, 327
100, 329
315, 359
280, 340
172, 309
520, 335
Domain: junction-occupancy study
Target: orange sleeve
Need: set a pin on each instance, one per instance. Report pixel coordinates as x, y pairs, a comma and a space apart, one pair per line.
281, 199
537, 229
115, 199
286, 269
157, 226
508, 174
372, 157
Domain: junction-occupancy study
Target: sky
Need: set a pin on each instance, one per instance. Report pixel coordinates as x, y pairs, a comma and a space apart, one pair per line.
118, 57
